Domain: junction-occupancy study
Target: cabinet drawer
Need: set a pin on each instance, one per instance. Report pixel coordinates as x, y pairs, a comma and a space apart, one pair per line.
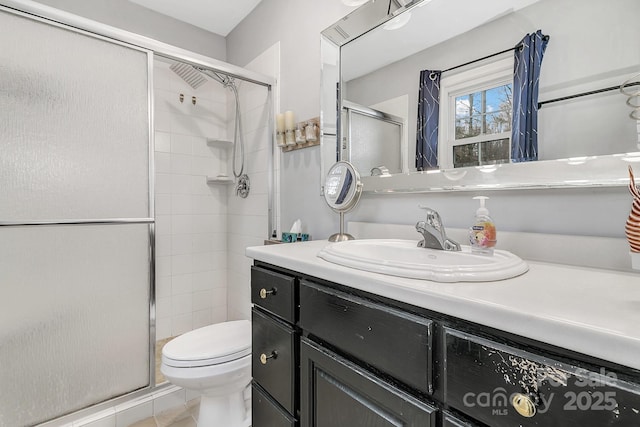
274, 292
491, 381
394, 342
337, 393
274, 358
266, 412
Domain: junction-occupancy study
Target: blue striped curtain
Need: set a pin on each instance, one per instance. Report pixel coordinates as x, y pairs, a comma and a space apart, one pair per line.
428, 112
526, 76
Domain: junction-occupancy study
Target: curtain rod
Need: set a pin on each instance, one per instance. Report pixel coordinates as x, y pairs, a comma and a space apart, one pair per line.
518, 46
578, 95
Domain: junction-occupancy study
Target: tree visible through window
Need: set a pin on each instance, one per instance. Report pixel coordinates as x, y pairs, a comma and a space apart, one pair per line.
483, 127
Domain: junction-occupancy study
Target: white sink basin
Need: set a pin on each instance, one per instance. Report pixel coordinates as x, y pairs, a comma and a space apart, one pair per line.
404, 258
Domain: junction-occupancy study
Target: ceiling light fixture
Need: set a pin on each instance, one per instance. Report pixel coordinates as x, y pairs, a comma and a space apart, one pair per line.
397, 22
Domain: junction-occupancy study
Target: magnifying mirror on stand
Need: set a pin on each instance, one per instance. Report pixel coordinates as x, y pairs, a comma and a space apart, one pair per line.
342, 190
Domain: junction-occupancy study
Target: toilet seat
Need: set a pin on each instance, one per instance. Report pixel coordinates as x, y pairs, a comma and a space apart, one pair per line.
209, 345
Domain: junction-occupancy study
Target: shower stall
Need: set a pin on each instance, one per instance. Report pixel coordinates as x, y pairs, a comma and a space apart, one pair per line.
114, 213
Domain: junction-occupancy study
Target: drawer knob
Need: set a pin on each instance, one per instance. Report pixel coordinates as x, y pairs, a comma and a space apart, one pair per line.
524, 405
264, 292
264, 358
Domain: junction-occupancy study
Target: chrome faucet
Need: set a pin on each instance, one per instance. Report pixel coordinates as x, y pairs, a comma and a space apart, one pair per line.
380, 171
434, 236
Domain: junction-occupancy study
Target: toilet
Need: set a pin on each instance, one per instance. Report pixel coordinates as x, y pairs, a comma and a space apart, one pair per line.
214, 361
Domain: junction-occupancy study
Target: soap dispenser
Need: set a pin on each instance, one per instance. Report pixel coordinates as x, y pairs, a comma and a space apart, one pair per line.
482, 235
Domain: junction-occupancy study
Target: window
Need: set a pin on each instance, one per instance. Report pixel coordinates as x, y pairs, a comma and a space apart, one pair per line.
475, 122
483, 117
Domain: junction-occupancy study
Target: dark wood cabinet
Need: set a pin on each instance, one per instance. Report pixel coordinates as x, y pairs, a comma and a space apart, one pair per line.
266, 411
503, 386
326, 355
389, 340
274, 292
275, 343
450, 420
338, 393
274, 363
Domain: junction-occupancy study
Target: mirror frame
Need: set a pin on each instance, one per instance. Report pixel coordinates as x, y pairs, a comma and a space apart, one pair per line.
352, 194
575, 172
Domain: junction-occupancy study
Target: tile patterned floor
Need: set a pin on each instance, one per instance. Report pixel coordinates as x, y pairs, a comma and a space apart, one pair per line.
179, 417
184, 416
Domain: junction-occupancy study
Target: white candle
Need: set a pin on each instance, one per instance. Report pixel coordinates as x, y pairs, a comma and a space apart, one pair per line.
280, 122
289, 120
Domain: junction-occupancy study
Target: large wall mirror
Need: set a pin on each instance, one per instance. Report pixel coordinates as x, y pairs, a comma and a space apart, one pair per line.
372, 58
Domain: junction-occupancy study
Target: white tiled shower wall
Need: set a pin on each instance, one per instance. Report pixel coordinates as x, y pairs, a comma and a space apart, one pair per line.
248, 219
191, 215
202, 230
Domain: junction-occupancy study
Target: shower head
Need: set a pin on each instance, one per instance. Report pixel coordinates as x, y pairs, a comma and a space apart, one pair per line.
189, 74
194, 75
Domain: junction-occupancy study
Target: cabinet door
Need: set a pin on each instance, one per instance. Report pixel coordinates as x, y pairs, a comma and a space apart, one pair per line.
337, 393
503, 386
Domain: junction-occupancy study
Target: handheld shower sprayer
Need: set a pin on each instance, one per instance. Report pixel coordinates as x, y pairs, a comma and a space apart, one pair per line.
195, 77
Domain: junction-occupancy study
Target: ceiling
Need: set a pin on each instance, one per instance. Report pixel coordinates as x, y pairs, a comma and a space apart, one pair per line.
216, 16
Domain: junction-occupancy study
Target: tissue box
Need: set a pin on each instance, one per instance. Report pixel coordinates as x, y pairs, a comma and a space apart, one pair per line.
289, 237
294, 237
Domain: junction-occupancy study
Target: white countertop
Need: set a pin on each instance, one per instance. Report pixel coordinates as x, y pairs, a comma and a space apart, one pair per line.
591, 311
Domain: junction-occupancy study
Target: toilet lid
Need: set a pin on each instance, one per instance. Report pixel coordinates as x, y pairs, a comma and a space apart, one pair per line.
210, 345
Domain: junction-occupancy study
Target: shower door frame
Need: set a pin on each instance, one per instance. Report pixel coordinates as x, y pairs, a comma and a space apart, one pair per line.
149, 220
56, 17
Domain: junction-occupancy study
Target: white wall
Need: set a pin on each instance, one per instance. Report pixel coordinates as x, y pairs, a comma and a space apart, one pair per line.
140, 20
297, 25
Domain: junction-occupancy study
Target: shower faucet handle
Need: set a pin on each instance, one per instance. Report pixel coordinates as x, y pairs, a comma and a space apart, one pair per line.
243, 186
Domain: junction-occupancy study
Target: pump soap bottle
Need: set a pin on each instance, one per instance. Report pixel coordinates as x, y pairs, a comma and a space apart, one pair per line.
482, 235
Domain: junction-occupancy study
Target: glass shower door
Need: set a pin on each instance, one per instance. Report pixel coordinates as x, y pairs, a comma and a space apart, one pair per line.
76, 225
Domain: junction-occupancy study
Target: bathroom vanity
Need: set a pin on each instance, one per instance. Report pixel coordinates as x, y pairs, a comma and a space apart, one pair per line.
335, 346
